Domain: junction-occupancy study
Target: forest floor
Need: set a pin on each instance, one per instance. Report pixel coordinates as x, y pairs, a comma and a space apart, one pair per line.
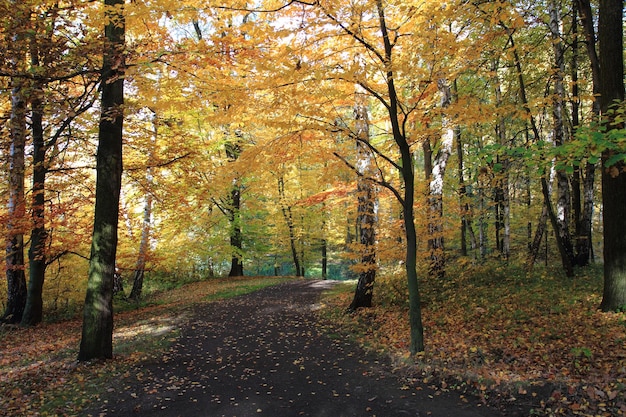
517, 347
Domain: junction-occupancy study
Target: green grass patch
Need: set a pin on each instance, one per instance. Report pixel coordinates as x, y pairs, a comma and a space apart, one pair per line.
245, 287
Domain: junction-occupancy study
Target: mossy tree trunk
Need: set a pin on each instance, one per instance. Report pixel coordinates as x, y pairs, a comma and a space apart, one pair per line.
97, 334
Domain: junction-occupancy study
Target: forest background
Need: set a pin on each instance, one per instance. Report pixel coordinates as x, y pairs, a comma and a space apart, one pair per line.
381, 141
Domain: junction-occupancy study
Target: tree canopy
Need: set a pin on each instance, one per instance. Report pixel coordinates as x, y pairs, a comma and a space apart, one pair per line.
243, 141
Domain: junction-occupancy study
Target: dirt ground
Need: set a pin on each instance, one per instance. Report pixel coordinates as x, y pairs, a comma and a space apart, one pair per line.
263, 354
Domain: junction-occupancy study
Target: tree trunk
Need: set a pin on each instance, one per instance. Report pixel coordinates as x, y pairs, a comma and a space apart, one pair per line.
482, 222
437, 268
566, 256
366, 210
236, 241
97, 333
144, 244
610, 39
16, 280
33, 313
416, 343
288, 216
564, 201
584, 205
233, 150
324, 259
463, 204
501, 189
146, 224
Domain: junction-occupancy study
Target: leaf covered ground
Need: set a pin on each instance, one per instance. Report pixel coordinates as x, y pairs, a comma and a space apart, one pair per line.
39, 374
535, 341
509, 337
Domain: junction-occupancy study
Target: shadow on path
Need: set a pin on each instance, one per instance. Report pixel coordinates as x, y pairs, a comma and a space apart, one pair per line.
262, 355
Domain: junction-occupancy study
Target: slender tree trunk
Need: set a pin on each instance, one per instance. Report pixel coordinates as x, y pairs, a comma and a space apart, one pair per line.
288, 216
233, 150
584, 203
324, 259
366, 210
408, 176
33, 313
144, 244
501, 189
482, 222
97, 334
610, 39
236, 238
16, 279
566, 256
435, 195
564, 201
463, 204
535, 245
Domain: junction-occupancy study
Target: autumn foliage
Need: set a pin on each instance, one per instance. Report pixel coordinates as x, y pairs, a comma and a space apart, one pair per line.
495, 147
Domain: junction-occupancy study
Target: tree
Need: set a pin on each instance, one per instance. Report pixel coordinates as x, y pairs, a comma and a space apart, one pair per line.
610, 38
97, 333
15, 273
48, 124
366, 210
146, 223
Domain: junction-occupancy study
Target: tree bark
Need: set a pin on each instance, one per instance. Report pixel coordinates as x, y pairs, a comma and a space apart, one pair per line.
33, 313
366, 210
97, 333
501, 189
234, 214
436, 246
610, 39
144, 243
564, 201
416, 343
288, 216
16, 279
584, 203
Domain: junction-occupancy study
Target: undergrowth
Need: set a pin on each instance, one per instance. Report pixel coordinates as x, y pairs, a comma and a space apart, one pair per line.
505, 334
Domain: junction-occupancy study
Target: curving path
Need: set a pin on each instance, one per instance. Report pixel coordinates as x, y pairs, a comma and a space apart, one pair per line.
262, 354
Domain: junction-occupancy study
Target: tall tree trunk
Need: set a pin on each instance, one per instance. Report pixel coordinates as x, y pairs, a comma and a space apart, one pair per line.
463, 204
16, 279
482, 222
324, 259
144, 243
97, 333
236, 241
146, 224
33, 313
584, 204
416, 343
610, 39
564, 201
366, 210
501, 189
566, 257
233, 150
436, 245
288, 216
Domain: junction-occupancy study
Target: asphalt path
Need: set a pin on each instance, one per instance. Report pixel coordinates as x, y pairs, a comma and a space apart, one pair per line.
264, 354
